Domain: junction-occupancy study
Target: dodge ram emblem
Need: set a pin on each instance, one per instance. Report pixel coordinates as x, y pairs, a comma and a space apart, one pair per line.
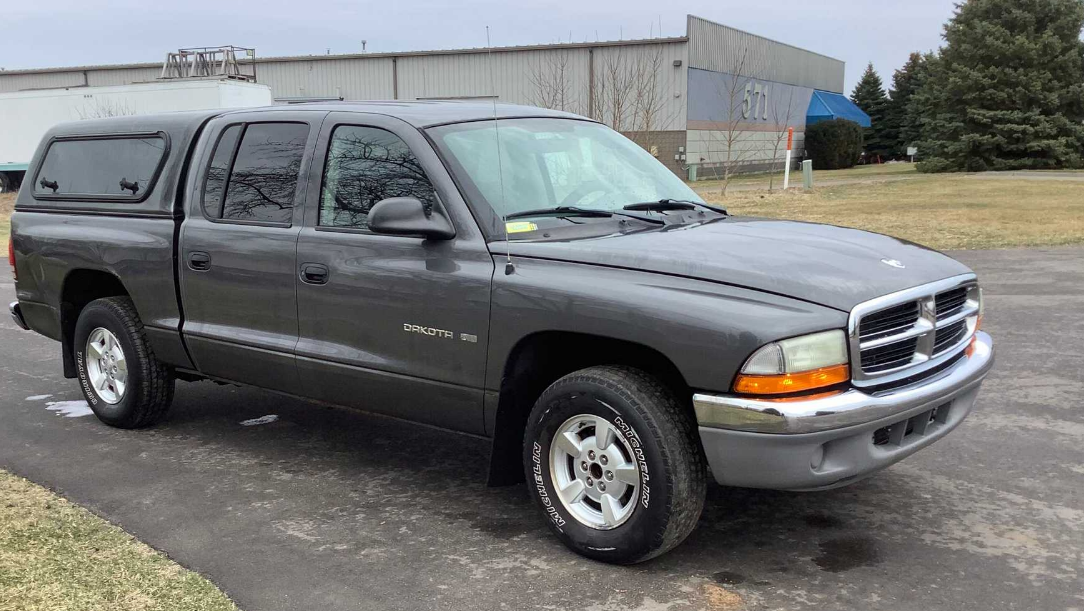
893, 263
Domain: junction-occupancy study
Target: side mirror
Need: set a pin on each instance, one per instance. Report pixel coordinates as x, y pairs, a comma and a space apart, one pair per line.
410, 216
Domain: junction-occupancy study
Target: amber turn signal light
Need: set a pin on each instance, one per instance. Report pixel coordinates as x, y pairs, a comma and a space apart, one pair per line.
792, 382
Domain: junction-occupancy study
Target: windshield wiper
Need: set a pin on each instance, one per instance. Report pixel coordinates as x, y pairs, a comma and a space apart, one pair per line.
672, 204
559, 211
574, 211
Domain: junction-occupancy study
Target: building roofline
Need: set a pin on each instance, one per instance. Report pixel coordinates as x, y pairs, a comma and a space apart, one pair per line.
748, 33
387, 55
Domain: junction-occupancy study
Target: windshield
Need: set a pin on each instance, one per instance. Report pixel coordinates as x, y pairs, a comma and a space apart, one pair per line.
552, 162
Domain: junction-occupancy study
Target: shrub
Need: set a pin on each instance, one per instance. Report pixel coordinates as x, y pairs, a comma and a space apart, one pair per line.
834, 144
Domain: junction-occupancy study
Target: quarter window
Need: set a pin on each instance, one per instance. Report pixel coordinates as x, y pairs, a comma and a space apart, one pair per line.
218, 170
114, 168
364, 166
263, 179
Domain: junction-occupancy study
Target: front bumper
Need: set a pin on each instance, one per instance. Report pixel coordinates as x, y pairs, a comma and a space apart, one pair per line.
835, 440
17, 315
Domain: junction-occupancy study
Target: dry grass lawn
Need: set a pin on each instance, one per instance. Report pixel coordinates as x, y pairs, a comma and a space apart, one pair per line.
862, 172
7, 204
54, 555
943, 211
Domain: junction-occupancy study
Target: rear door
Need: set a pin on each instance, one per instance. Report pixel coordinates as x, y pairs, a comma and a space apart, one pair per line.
393, 324
239, 245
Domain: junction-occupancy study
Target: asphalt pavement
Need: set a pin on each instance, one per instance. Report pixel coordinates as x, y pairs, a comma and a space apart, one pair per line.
322, 508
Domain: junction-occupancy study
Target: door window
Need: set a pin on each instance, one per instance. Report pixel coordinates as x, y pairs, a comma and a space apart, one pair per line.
263, 177
364, 166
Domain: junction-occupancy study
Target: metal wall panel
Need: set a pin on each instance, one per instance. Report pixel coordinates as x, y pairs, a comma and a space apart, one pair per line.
719, 48
121, 76
351, 78
551, 76
40, 80
672, 85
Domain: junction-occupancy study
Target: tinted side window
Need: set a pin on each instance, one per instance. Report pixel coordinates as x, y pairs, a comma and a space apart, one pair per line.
217, 171
264, 175
364, 166
112, 167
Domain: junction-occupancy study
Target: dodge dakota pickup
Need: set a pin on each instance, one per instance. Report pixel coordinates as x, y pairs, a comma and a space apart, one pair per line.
520, 274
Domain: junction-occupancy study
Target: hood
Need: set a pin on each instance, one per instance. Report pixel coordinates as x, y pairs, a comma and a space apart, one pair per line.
832, 266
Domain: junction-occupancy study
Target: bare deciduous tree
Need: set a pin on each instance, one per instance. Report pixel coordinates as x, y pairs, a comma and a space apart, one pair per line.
100, 109
551, 81
627, 92
648, 97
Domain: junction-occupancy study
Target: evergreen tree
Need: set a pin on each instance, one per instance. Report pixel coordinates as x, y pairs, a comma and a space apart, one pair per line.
905, 81
1007, 91
919, 105
869, 95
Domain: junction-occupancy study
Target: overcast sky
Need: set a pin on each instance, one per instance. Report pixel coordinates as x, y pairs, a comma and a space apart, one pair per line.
50, 33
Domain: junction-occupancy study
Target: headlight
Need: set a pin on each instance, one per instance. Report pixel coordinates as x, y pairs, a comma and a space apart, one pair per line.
796, 364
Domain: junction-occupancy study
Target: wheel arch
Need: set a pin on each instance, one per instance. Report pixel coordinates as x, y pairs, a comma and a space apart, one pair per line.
540, 359
82, 286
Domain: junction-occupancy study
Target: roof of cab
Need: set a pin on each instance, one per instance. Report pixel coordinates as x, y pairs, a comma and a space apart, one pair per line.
421, 114
428, 113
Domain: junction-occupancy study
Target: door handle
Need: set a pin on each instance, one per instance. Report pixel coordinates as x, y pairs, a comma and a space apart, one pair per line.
199, 261
314, 273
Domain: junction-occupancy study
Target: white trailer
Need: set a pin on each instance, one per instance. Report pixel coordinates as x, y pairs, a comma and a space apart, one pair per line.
25, 116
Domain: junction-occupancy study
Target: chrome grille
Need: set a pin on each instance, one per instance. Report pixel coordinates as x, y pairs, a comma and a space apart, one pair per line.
903, 334
949, 336
950, 302
889, 356
889, 321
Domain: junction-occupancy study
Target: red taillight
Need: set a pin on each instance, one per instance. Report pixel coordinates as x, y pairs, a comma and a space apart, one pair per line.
11, 258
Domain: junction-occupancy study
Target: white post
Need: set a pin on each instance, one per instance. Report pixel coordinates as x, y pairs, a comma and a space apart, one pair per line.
786, 167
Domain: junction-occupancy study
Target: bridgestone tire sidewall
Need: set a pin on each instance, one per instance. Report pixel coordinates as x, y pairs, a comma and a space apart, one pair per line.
91, 318
643, 532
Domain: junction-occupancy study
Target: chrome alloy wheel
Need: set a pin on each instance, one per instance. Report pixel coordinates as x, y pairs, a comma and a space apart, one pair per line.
594, 472
106, 367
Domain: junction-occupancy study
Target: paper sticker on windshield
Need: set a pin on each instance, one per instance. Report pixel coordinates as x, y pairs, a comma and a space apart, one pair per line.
519, 227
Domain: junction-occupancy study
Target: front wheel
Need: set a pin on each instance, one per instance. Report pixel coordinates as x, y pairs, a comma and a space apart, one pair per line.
614, 461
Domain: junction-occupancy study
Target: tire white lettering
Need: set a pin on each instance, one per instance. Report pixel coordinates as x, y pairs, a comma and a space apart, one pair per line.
641, 460
540, 486
81, 367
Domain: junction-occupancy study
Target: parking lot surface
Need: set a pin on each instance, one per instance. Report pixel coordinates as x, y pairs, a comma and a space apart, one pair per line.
326, 508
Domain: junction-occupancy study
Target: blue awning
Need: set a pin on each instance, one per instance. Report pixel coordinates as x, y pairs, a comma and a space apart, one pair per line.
825, 106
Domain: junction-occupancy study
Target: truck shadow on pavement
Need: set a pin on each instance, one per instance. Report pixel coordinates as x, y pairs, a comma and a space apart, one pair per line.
338, 461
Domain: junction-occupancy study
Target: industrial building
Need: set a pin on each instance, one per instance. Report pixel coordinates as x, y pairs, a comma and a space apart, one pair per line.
714, 97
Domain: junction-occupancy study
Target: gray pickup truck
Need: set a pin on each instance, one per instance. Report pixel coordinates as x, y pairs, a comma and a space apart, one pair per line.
521, 274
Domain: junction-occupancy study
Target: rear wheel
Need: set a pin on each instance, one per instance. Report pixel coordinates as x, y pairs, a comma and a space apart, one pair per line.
119, 375
613, 459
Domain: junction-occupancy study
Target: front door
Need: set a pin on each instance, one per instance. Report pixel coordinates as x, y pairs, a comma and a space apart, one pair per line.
391, 324
238, 247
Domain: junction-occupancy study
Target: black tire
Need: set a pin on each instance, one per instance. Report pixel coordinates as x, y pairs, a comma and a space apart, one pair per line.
150, 384
673, 486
